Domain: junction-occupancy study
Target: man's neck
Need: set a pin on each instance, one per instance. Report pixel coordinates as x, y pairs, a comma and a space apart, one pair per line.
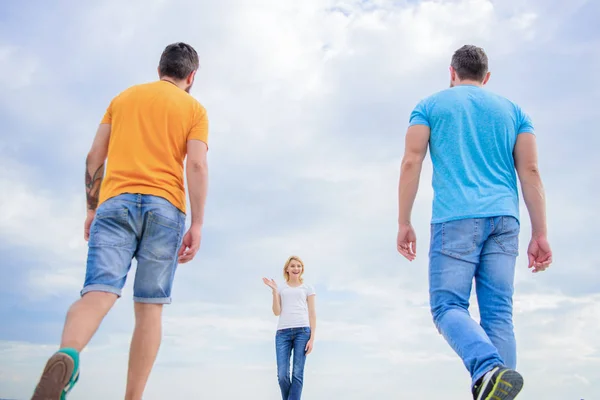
180, 84
467, 82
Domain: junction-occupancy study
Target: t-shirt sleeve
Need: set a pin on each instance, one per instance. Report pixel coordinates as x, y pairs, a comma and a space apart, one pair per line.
199, 130
107, 119
419, 115
310, 291
525, 124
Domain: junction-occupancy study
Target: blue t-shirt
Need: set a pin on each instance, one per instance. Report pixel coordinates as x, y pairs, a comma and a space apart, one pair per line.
473, 134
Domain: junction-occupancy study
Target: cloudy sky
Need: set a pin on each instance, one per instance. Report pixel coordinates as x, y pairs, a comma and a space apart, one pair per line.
308, 103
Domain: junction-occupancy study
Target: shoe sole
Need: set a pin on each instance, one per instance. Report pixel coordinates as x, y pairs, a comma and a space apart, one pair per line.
508, 385
55, 378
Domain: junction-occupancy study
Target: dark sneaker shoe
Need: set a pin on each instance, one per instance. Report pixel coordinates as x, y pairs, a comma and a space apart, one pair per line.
498, 384
59, 376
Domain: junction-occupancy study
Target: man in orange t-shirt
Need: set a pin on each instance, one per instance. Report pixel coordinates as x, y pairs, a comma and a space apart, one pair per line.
137, 210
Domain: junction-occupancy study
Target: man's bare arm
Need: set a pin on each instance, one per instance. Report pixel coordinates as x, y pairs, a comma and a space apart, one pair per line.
415, 150
539, 251
94, 166
197, 179
526, 164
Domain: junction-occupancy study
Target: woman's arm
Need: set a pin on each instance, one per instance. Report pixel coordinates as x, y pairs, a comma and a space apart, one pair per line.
312, 318
276, 303
276, 298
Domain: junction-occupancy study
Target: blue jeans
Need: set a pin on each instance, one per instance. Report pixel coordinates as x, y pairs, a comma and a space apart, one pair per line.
484, 249
285, 341
128, 226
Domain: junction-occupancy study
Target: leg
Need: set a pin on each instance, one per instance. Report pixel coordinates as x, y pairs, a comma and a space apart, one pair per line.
111, 245
283, 347
84, 318
301, 338
144, 347
157, 262
454, 256
495, 287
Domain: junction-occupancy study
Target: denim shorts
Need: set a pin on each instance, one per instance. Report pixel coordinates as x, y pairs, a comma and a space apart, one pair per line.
147, 228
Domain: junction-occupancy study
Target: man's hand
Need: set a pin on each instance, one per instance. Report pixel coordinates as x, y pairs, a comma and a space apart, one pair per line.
539, 254
309, 346
91, 214
191, 244
407, 241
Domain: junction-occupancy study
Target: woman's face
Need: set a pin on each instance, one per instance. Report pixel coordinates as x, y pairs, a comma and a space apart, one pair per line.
294, 269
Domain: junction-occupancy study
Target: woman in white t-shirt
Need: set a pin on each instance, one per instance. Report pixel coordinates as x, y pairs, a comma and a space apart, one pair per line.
294, 303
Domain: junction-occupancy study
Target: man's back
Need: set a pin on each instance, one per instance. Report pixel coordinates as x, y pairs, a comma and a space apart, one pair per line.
473, 135
479, 143
146, 133
150, 126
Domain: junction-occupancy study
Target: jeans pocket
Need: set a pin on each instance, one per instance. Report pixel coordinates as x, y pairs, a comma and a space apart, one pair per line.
459, 238
508, 238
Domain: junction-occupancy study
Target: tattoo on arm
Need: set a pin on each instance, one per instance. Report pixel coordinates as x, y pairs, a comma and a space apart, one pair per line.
92, 185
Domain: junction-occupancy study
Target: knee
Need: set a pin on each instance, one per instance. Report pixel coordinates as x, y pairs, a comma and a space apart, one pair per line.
282, 377
298, 375
442, 308
500, 314
500, 324
148, 314
99, 301
445, 299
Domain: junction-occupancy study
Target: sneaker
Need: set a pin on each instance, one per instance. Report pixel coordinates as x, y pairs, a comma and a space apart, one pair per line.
60, 375
498, 384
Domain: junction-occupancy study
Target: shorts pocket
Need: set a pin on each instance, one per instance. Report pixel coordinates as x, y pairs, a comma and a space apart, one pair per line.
111, 228
459, 238
161, 236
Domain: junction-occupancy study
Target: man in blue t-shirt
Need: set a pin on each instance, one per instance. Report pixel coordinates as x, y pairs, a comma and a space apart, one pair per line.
479, 142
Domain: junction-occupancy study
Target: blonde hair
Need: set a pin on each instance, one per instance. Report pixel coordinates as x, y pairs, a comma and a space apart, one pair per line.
286, 274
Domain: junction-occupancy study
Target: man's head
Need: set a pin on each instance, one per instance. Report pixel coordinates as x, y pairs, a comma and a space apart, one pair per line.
179, 63
469, 65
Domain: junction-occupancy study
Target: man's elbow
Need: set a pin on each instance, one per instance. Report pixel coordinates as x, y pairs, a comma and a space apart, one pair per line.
95, 156
530, 171
410, 162
197, 166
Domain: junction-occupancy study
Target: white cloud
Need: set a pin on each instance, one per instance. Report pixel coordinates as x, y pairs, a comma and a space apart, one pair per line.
16, 68
308, 102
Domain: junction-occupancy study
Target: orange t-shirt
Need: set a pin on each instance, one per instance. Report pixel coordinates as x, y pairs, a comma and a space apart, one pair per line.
150, 126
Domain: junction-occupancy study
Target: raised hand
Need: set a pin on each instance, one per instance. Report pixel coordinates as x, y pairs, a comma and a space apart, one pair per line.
270, 283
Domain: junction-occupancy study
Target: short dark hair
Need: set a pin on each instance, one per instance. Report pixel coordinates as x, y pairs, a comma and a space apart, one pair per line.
470, 62
178, 61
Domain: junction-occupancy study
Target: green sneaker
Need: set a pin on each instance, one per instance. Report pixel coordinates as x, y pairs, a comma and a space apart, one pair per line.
60, 375
498, 384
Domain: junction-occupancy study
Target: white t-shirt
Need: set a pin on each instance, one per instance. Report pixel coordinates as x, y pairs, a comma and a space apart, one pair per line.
294, 306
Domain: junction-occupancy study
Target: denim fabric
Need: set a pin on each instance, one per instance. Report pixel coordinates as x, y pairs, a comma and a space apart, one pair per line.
483, 249
287, 340
128, 226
